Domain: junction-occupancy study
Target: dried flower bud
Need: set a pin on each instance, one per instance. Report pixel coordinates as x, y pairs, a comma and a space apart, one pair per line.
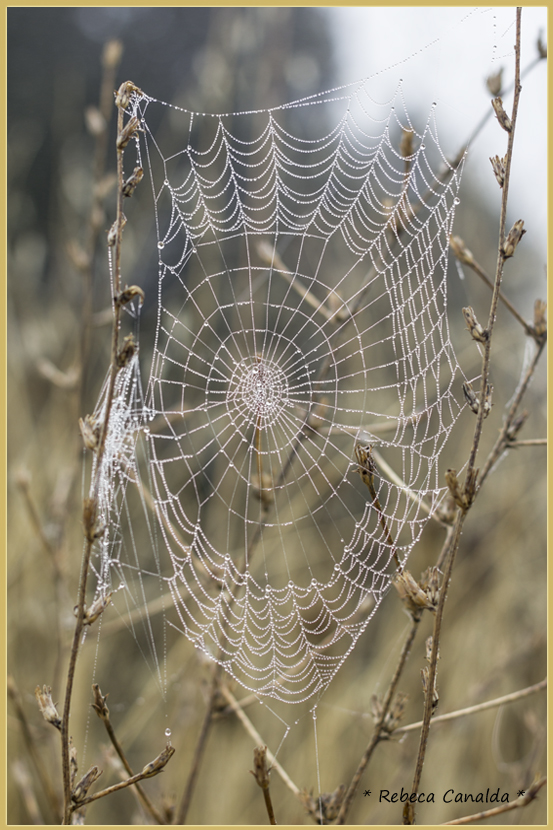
542, 47
47, 706
129, 131
328, 804
100, 705
540, 321
111, 56
90, 429
80, 792
477, 332
129, 293
460, 250
454, 488
124, 93
493, 82
112, 233
498, 166
130, 185
367, 467
471, 487
425, 673
95, 121
126, 351
260, 771
513, 238
411, 594
406, 143
502, 116
98, 607
470, 397
92, 528
157, 765
488, 400
430, 584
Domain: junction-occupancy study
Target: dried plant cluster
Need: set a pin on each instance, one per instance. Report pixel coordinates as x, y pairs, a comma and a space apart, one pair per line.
470, 604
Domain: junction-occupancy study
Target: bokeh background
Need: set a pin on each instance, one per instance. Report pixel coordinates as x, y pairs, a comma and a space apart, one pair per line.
494, 631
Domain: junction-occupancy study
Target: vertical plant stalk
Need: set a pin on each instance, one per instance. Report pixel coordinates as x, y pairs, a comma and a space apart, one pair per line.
91, 504
377, 735
409, 811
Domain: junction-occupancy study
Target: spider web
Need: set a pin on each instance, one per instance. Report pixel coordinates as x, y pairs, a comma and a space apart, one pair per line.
301, 312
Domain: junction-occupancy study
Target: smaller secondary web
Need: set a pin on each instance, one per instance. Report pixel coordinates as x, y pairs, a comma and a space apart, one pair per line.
301, 313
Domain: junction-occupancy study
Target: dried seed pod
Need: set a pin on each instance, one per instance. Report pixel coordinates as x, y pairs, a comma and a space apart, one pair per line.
430, 584
454, 488
126, 351
470, 397
425, 676
130, 185
124, 93
460, 250
157, 765
129, 293
260, 771
501, 115
411, 594
112, 233
47, 706
129, 131
477, 332
367, 467
100, 705
493, 82
90, 429
92, 528
488, 400
396, 713
513, 238
80, 792
98, 607
498, 166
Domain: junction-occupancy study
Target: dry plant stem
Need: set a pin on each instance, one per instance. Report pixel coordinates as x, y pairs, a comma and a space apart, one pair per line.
478, 707
235, 706
409, 812
95, 490
377, 734
143, 798
181, 814
502, 442
522, 801
113, 789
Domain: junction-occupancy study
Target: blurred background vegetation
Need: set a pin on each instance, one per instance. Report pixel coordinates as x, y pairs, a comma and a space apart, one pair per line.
494, 632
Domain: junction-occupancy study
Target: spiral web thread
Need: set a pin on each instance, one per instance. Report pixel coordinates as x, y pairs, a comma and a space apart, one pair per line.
302, 311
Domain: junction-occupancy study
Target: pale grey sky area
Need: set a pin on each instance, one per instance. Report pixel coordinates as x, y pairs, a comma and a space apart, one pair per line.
443, 55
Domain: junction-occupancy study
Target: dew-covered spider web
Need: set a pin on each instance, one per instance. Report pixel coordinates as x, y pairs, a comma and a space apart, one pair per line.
302, 257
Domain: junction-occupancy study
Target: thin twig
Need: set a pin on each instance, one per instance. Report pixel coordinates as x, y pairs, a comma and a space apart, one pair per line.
409, 811
182, 812
479, 707
102, 711
252, 731
378, 735
522, 801
93, 501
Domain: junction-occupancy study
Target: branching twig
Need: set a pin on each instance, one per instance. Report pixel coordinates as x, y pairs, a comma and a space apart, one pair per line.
478, 707
471, 473
377, 735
